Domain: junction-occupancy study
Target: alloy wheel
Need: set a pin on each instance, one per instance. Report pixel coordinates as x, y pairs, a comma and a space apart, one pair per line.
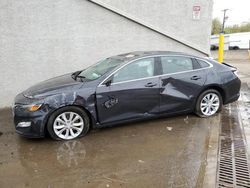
210, 104
68, 125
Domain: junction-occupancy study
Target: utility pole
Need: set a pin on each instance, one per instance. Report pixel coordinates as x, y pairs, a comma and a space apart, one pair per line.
221, 38
224, 20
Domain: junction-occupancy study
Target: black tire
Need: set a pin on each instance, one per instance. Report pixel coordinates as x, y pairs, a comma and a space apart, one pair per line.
74, 109
236, 48
198, 110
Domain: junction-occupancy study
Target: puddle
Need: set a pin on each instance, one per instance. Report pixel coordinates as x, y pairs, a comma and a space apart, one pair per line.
169, 152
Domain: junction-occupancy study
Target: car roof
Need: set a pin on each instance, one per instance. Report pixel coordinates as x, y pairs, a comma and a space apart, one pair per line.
140, 54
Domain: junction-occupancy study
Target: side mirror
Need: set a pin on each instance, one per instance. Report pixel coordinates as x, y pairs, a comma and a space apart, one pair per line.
108, 82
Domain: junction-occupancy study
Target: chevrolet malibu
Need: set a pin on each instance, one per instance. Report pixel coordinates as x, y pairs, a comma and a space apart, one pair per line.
123, 88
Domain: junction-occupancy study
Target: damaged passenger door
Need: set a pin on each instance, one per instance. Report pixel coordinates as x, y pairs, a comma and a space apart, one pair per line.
131, 92
181, 81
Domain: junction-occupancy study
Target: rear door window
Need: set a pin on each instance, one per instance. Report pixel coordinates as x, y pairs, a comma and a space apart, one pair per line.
175, 64
203, 64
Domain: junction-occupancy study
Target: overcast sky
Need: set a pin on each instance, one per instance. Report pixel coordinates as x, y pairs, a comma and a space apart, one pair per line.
239, 10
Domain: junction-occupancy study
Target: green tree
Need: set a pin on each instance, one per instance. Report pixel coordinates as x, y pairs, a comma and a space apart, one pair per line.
216, 26
245, 27
232, 29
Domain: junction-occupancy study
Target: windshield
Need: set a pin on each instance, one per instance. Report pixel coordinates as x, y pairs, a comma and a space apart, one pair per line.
100, 68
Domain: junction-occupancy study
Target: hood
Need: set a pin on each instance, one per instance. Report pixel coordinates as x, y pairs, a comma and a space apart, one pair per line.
52, 86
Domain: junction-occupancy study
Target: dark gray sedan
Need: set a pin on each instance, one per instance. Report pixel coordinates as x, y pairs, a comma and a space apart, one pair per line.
122, 88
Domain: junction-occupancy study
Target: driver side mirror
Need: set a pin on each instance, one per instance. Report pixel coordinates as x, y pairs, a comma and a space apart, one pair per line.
108, 82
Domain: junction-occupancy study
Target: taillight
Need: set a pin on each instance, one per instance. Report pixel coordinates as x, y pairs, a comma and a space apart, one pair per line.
235, 72
233, 69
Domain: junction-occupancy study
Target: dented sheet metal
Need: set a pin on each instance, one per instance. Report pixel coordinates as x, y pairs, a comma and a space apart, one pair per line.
179, 91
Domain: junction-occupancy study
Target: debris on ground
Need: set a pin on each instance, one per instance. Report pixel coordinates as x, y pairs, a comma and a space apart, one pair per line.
141, 161
114, 179
186, 119
169, 128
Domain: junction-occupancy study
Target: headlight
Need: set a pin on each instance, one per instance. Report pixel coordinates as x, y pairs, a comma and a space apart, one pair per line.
32, 107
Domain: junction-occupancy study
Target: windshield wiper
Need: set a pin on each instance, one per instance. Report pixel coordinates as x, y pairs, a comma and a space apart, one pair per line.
75, 74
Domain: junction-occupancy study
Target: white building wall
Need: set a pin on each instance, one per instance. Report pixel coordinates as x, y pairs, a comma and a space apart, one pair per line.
40, 39
173, 16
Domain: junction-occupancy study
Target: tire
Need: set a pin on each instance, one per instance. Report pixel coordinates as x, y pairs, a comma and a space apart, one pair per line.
76, 124
202, 106
236, 48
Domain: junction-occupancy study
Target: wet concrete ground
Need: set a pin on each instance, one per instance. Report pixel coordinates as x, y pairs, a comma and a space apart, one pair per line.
244, 111
168, 152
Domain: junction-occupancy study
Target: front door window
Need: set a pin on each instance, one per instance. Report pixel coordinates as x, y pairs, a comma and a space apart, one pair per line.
136, 70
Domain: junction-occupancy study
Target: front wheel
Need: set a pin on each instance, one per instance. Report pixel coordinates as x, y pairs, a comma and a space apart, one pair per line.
208, 103
68, 123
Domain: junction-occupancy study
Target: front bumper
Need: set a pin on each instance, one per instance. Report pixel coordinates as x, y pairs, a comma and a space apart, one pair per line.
37, 119
35, 130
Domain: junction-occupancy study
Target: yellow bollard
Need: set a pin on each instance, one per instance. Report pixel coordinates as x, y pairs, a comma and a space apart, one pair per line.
221, 48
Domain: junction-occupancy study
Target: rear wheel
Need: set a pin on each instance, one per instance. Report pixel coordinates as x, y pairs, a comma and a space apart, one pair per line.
236, 48
68, 123
208, 103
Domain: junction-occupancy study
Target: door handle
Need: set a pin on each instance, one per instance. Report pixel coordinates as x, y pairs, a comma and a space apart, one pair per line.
150, 84
195, 78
